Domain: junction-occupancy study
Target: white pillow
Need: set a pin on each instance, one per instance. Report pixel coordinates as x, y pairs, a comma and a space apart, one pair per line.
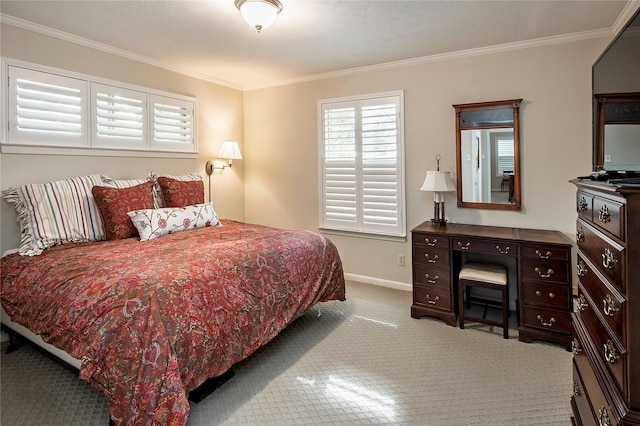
154, 223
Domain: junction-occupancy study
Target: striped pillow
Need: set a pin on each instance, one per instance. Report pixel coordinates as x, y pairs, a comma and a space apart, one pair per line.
56, 213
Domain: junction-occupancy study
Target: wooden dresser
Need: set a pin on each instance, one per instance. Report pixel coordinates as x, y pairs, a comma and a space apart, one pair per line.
542, 258
606, 322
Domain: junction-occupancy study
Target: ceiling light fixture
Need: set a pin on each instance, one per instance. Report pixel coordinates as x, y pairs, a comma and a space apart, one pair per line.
259, 13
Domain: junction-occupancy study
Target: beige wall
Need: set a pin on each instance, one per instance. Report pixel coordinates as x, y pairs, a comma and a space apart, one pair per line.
281, 142
219, 112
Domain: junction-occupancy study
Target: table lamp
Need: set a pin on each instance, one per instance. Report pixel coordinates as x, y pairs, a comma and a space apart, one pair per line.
438, 182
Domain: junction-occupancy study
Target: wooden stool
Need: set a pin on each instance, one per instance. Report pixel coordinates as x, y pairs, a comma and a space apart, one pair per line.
484, 275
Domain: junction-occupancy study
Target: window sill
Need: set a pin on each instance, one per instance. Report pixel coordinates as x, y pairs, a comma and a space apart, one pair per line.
356, 234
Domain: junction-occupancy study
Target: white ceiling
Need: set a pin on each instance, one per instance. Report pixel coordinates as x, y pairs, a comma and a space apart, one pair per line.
311, 38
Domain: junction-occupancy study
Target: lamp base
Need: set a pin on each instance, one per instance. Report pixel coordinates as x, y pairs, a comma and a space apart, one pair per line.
438, 222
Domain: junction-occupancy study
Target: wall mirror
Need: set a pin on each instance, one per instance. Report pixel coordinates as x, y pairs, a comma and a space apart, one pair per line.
488, 155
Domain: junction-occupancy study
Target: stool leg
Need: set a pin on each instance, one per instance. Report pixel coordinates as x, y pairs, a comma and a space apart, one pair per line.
461, 303
505, 311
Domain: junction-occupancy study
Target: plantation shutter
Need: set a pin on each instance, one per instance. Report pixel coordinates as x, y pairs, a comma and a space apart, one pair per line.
119, 117
506, 156
362, 166
173, 122
46, 109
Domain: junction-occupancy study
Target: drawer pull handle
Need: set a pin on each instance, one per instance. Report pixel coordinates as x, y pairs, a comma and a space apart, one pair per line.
582, 269
465, 246
432, 281
575, 347
582, 205
539, 293
576, 388
608, 259
580, 236
432, 302
604, 417
542, 274
603, 215
609, 306
582, 303
501, 251
543, 255
610, 352
434, 260
431, 243
546, 324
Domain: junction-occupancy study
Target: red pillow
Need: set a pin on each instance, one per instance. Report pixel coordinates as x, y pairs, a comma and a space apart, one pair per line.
115, 203
181, 193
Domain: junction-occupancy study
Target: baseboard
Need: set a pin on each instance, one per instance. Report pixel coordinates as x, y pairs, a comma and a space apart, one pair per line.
379, 282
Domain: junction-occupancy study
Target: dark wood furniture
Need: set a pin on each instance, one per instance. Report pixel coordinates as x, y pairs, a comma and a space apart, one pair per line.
606, 322
543, 261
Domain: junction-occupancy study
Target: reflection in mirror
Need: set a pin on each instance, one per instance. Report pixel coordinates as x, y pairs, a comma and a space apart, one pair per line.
488, 166
617, 133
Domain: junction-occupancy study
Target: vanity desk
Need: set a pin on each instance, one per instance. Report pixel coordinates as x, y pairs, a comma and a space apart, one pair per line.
542, 259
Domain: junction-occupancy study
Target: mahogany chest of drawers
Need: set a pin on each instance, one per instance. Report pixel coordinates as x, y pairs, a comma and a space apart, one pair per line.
606, 322
542, 258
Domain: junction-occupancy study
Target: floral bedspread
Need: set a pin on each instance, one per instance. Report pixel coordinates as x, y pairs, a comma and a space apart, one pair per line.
153, 320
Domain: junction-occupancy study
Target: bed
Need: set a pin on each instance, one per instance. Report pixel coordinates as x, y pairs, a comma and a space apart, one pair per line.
150, 321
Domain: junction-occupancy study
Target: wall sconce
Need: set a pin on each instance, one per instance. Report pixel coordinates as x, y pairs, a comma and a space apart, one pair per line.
438, 182
229, 151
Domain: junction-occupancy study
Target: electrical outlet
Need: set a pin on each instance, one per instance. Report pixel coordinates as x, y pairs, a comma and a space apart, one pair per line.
401, 260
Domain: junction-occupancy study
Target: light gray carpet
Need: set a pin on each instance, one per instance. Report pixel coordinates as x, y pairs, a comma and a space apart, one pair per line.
363, 361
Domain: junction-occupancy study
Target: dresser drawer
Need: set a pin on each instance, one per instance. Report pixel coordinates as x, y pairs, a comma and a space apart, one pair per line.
431, 256
581, 401
540, 251
611, 305
609, 215
432, 296
608, 256
600, 408
584, 205
539, 293
545, 270
606, 346
481, 246
430, 240
546, 319
432, 276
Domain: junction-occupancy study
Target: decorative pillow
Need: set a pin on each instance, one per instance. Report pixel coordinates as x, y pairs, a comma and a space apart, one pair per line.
178, 193
157, 193
115, 203
154, 223
56, 213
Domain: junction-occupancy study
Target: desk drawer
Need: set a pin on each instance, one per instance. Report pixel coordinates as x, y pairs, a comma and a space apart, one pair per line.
432, 296
546, 319
540, 251
430, 240
483, 246
584, 205
607, 255
431, 256
432, 276
545, 270
539, 293
609, 215
612, 305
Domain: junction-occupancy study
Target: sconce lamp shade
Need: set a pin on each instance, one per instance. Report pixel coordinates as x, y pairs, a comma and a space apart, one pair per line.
230, 151
259, 13
438, 182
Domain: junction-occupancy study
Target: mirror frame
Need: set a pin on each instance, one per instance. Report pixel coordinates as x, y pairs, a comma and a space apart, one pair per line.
481, 106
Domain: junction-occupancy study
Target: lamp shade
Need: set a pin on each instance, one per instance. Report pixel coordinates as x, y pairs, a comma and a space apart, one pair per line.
438, 182
230, 151
259, 13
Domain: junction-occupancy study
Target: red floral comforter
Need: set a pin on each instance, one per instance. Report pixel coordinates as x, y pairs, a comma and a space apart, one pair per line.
153, 320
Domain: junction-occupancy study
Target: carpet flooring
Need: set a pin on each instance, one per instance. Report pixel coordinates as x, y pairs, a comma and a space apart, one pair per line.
360, 362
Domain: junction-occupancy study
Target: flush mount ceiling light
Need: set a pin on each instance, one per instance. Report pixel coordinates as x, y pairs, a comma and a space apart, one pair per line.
259, 13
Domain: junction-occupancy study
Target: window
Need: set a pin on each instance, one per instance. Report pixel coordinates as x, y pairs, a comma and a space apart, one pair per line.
48, 107
504, 154
362, 164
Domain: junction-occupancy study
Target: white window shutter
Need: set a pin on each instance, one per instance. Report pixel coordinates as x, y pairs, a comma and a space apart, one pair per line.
46, 109
173, 124
118, 117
